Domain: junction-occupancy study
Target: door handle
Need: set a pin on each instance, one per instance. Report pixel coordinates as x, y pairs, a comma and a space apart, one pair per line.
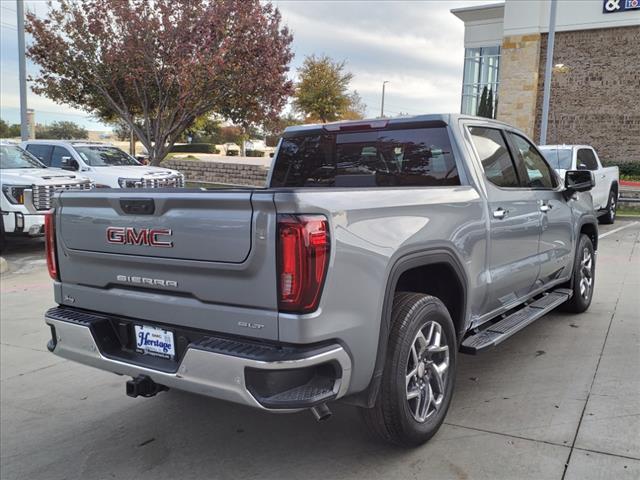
545, 207
500, 213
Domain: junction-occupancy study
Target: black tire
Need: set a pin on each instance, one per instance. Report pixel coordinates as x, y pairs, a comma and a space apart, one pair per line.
392, 418
3, 238
580, 302
610, 216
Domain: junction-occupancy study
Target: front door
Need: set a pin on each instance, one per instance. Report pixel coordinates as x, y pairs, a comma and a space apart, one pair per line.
515, 222
555, 253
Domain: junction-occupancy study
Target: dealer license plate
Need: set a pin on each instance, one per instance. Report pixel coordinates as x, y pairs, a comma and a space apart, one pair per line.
155, 341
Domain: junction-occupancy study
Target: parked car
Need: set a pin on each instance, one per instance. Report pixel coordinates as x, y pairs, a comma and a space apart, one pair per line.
106, 165
380, 249
584, 157
231, 149
255, 145
27, 187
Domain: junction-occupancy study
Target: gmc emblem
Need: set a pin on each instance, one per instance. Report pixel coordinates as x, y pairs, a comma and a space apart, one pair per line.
139, 236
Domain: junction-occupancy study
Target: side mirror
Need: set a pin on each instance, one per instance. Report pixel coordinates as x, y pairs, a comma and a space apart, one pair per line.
579, 180
68, 163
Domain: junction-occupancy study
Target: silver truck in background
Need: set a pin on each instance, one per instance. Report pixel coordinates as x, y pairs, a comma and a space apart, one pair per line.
379, 250
606, 191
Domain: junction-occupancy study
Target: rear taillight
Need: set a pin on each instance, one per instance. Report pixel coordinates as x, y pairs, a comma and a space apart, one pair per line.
303, 257
50, 242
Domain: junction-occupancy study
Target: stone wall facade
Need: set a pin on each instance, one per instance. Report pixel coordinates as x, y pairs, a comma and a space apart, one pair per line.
595, 97
219, 172
519, 80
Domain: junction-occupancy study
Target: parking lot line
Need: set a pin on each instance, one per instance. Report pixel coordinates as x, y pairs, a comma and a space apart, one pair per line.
617, 229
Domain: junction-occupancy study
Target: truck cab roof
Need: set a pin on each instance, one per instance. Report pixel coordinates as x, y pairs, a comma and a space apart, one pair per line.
377, 123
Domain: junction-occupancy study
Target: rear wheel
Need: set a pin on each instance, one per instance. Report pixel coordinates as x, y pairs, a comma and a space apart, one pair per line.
583, 278
610, 216
418, 378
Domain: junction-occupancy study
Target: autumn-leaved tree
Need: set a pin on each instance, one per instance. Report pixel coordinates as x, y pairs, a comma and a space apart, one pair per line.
322, 92
160, 65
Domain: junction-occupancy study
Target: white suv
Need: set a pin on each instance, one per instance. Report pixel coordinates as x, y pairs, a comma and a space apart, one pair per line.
106, 165
27, 187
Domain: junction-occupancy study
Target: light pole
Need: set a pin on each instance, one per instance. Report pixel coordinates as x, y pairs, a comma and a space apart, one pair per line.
547, 74
382, 105
22, 72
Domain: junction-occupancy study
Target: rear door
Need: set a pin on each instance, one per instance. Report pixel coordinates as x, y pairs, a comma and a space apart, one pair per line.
514, 221
586, 160
556, 233
197, 259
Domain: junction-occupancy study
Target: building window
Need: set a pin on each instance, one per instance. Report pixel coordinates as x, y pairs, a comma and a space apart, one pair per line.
480, 84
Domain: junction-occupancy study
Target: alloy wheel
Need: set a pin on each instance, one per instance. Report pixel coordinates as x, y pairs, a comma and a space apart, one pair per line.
586, 273
426, 373
612, 206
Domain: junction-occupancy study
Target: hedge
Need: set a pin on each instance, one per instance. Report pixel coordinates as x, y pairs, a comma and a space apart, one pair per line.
627, 169
254, 153
195, 148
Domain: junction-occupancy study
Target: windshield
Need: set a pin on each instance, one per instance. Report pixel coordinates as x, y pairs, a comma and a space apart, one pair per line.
559, 158
12, 156
100, 156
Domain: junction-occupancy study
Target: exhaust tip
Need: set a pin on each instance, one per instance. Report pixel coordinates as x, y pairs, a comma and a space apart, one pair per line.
321, 412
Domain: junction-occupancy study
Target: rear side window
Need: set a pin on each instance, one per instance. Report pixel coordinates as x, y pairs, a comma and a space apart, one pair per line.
41, 152
494, 155
385, 158
588, 159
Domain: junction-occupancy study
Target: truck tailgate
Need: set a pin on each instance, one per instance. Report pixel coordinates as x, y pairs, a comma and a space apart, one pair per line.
196, 259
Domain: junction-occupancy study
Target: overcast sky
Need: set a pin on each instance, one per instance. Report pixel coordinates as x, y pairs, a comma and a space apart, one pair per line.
416, 45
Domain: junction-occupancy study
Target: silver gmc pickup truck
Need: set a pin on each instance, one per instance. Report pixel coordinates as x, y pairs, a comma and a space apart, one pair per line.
379, 251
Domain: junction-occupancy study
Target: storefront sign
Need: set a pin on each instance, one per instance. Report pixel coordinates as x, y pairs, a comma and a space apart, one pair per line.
615, 6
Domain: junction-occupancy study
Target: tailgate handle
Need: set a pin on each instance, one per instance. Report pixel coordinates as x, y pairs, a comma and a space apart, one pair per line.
138, 206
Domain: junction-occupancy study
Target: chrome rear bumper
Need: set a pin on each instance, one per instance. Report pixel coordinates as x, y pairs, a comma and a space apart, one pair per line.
200, 371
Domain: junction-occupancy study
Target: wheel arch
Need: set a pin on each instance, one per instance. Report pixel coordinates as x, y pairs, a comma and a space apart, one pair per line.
441, 257
589, 227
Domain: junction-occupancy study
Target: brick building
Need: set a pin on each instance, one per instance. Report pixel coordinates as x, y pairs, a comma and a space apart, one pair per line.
595, 88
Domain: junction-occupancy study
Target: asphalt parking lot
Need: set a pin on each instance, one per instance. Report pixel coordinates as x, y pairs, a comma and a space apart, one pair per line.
560, 400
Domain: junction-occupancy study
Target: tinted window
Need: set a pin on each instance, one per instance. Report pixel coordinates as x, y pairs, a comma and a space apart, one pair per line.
105, 156
531, 163
41, 152
415, 157
495, 157
558, 157
587, 158
56, 156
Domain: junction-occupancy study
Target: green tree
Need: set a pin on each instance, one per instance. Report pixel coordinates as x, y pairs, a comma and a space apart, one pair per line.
9, 131
485, 106
482, 105
356, 110
274, 129
322, 93
160, 65
61, 131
